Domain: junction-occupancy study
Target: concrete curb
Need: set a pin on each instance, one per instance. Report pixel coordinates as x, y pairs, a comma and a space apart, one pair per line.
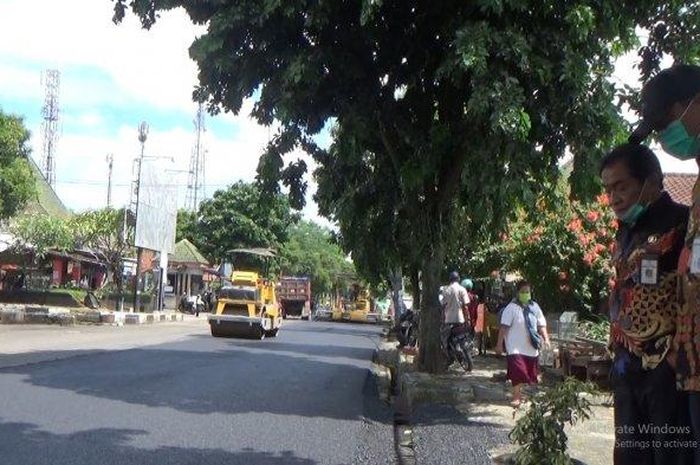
33, 314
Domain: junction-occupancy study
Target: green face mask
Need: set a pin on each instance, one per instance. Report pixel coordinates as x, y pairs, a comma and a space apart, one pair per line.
524, 297
676, 140
633, 213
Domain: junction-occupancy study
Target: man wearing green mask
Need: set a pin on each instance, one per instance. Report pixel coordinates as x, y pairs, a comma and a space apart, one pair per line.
643, 307
671, 111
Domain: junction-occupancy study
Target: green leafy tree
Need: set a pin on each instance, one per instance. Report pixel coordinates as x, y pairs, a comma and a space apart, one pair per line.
110, 232
43, 233
37, 235
16, 178
186, 227
468, 103
240, 216
311, 251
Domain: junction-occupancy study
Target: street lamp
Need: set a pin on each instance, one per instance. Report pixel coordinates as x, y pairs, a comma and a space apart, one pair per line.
143, 135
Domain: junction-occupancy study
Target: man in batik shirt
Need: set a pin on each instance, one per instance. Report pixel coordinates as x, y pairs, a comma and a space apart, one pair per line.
643, 308
671, 110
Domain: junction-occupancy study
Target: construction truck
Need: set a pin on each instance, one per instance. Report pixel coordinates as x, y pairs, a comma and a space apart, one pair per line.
294, 296
247, 308
354, 305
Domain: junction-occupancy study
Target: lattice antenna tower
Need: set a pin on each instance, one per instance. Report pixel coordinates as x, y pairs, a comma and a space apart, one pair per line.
196, 188
51, 81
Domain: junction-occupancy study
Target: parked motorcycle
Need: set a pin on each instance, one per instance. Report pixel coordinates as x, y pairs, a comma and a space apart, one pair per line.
458, 343
407, 331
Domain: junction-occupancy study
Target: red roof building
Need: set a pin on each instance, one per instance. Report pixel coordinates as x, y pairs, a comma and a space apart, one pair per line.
680, 186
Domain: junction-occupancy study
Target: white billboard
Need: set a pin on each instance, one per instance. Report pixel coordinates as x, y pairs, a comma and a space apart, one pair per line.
157, 206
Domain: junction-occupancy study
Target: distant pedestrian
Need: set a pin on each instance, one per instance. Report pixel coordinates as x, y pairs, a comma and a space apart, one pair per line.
473, 304
523, 331
480, 328
198, 304
455, 301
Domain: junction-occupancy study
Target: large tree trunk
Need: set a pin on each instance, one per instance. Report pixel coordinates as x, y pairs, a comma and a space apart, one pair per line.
396, 280
118, 279
431, 358
415, 284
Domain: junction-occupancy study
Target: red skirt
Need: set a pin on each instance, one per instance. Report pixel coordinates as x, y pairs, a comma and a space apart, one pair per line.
522, 369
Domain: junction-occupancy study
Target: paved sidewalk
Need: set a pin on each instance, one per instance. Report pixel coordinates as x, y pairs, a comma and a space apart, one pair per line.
23, 344
466, 418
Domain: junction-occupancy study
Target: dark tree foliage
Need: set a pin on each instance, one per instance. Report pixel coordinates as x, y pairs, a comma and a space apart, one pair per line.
436, 107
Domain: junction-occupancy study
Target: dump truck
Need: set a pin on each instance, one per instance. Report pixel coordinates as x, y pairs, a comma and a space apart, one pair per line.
294, 296
247, 308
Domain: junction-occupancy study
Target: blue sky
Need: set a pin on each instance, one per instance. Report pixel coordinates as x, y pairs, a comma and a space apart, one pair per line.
114, 77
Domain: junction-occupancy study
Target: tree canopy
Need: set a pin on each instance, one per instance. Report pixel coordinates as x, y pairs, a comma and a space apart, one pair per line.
310, 251
463, 108
108, 231
237, 217
16, 178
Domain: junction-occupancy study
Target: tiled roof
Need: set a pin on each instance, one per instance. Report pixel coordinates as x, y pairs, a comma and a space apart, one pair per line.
680, 186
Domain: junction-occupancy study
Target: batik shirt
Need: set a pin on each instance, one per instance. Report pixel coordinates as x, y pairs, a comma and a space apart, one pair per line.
645, 300
687, 340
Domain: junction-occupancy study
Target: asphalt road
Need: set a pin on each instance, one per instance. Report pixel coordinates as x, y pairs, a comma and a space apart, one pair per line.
303, 398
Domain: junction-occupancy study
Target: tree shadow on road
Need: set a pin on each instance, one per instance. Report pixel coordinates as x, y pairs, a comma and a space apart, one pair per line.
316, 350
25, 444
284, 379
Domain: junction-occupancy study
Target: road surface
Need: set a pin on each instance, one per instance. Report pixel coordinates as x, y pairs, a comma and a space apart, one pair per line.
174, 395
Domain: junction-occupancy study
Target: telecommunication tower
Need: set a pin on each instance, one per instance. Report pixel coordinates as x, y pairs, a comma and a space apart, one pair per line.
51, 80
196, 185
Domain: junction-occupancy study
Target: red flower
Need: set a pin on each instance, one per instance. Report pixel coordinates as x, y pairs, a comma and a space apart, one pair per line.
593, 216
563, 276
575, 225
585, 239
599, 248
603, 199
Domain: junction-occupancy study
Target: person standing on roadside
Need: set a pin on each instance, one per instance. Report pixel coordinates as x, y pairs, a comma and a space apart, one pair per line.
523, 331
643, 306
671, 109
455, 301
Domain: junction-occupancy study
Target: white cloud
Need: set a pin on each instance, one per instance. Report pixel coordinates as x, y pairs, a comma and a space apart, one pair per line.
152, 67
105, 65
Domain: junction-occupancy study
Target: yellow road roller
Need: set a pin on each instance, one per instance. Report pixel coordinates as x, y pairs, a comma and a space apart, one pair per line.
247, 308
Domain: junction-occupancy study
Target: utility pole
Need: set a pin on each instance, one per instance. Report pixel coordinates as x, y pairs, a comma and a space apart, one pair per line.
143, 135
110, 162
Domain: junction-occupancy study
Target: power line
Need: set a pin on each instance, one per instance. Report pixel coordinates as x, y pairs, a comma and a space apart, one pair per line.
87, 182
